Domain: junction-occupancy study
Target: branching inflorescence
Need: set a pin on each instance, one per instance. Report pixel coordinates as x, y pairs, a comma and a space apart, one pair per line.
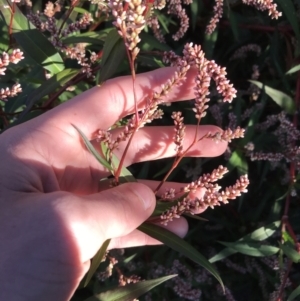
130, 18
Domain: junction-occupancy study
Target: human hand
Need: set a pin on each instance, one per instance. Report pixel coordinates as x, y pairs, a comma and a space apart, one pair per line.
53, 218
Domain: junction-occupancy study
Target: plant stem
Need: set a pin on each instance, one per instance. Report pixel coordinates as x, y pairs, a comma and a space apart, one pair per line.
179, 158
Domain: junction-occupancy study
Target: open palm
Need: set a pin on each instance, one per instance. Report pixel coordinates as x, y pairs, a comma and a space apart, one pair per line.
53, 216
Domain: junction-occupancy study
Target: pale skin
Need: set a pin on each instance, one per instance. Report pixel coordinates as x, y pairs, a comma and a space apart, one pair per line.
53, 215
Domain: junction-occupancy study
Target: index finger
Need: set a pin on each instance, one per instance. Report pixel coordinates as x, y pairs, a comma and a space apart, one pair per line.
101, 107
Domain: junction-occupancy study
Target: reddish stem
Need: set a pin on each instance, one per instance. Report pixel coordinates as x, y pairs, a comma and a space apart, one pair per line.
179, 158
71, 8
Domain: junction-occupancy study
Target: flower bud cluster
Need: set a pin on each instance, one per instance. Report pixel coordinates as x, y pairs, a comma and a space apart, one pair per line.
242, 52
175, 8
179, 132
212, 196
218, 12
263, 5
206, 70
51, 9
259, 4
227, 135
5, 58
15, 57
130, 21
153, 23
206, 179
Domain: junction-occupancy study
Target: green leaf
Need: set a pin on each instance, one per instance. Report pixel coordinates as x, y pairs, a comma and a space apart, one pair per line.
287, 237
251, 248
130, 291
113, 54
293, 70
257, 235
149, 42
210, 43
91, 37
295, 293
234, 25
290, 252
238, 161
78, 9
282, 99
47, 87
96, 261
194, 14
92, 150
161, 207
32, 41
179, 245
125, 175
290, 13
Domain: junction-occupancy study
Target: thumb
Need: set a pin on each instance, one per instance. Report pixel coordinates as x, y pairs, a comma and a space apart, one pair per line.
114, 213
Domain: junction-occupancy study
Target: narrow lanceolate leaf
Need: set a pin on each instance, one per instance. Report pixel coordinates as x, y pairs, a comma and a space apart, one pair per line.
282, 99
290, 252
48, 87
295, 293
113, 54
125, 175
90, 37
290, 13
92, 150
32, 41
257, 235
179, 245
293, 70
251, 248
96, 261
130, 291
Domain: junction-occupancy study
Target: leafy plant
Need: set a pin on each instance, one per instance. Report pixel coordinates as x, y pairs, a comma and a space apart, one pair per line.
59, 50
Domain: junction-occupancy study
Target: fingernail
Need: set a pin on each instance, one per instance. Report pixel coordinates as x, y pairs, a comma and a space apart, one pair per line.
145, 195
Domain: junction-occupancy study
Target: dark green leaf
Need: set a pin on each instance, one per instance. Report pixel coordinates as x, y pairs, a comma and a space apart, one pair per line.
96, 261
95, 38
47, 87
209, 43
179, 245
282, 99
238, 161
149, 43
290, 252
194, 13
251, 248
290, 12
257, 235
295, 293
113, 54
130, 291
234, 24
32, 41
